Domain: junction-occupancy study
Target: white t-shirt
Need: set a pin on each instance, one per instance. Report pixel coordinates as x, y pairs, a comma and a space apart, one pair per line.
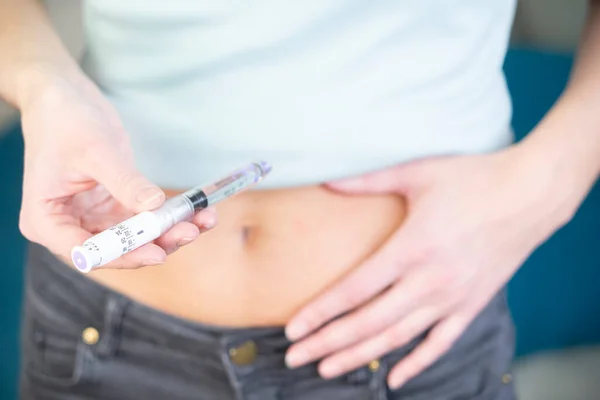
321, 89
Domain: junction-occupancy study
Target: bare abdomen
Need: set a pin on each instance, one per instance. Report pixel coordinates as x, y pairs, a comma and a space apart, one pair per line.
271, 252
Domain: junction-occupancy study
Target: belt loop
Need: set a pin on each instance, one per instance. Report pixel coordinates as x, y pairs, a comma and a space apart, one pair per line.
379, 370
113, 317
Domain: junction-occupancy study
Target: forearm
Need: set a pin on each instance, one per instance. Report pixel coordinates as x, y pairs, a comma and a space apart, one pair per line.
31, 54
566, 143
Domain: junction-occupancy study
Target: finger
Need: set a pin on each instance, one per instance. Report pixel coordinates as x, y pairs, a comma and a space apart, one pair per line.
397, 178
206, 219
390, 339
366, 321
377, 273
437, 343
122, 179
59, 234
180, 235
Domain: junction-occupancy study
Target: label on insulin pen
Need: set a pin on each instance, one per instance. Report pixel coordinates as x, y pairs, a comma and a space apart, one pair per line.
116, 241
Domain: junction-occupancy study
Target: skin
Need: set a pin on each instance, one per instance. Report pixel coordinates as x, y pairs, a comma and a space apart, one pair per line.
73, 189
503, 204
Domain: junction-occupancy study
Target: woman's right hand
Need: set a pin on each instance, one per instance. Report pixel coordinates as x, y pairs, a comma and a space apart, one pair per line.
80, 177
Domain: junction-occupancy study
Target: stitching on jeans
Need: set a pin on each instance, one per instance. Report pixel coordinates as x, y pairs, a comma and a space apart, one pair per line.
229, 370
378, 382
113, 316
40, 308
81, 366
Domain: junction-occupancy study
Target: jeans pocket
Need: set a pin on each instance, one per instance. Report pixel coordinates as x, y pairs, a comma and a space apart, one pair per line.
53, 351
54, 359
473, 368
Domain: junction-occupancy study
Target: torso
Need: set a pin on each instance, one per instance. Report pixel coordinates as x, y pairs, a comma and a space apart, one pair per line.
271, 252
320, 89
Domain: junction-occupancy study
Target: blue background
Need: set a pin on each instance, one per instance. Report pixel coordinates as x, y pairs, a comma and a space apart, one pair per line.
553, 298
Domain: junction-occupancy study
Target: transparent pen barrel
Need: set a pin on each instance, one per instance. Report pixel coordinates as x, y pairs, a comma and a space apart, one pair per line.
235, 183
174, 210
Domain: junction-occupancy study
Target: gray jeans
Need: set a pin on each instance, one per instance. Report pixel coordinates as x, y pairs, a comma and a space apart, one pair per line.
84, 341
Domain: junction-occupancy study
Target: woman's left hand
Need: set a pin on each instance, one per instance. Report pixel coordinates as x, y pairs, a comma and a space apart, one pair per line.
472, 221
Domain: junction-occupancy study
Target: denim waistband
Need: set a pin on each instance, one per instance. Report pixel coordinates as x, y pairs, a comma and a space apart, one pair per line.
248, 360
245, 357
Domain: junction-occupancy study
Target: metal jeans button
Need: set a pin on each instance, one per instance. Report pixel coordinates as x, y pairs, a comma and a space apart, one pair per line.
244, 354
374, 366
90, 335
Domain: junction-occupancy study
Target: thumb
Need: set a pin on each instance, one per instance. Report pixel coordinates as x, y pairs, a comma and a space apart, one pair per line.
399, 179
119, 175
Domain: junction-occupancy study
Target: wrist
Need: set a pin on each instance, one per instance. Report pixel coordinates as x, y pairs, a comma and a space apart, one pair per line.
41, 80
557, 176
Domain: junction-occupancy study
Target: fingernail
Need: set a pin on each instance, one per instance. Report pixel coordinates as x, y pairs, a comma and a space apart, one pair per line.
149, 196
212, 221
395, 383
328, 370
295, 358
153, 262
296, 330
209, 224
183, 241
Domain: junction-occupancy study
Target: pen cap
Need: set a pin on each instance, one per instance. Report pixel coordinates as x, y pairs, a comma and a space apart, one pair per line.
265, 167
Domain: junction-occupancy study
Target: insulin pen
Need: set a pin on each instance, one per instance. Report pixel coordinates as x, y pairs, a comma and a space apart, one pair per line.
149, 225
